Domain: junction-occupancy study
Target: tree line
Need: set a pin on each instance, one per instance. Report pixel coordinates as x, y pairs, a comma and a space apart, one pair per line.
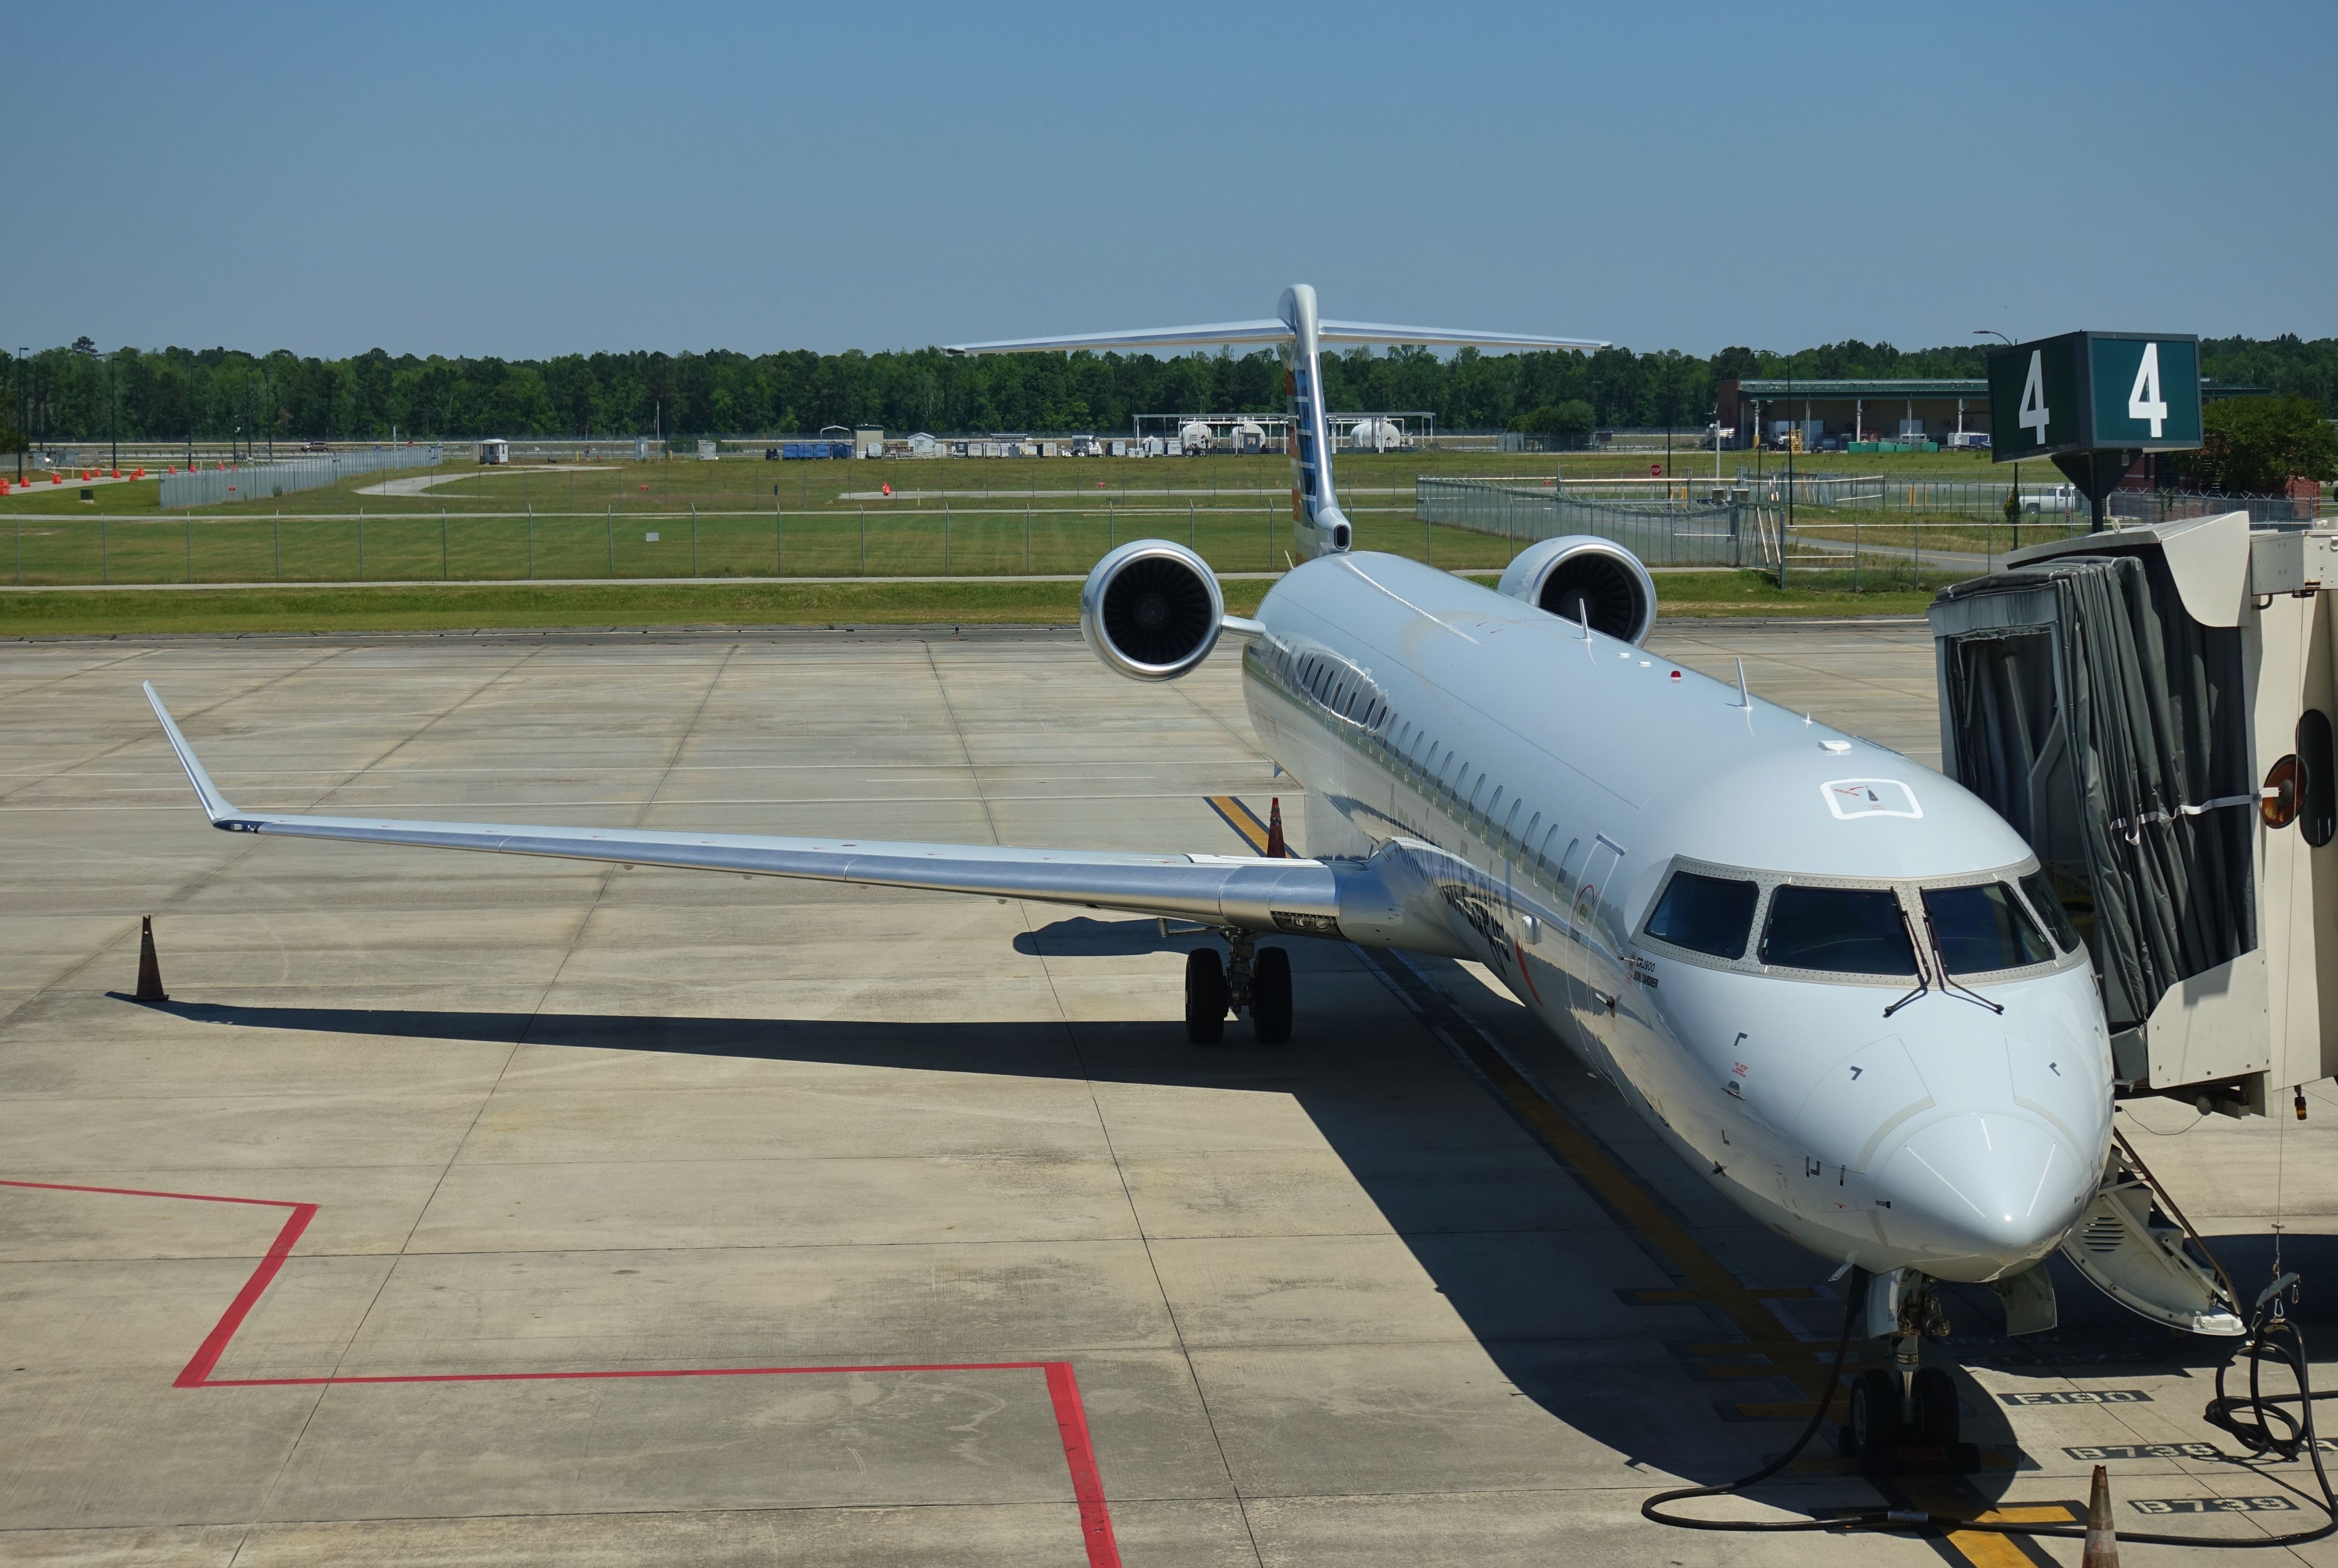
80, 393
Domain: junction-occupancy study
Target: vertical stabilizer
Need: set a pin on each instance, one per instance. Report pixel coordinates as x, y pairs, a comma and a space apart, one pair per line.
1318, 526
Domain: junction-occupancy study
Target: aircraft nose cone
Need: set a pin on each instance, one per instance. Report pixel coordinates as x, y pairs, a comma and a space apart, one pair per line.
1990, 1186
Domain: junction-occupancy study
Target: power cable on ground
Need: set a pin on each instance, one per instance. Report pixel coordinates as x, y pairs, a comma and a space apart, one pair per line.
2267, 1428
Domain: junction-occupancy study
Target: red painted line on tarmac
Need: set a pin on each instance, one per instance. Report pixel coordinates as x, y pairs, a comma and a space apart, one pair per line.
1079, 1454
198, 1369
1063, 1389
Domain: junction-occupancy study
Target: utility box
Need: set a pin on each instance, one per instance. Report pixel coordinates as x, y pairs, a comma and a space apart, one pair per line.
2151, 708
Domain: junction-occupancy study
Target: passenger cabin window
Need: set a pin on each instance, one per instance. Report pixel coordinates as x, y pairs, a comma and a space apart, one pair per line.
2049, 909
1984, 927
1705, 914
1848, 930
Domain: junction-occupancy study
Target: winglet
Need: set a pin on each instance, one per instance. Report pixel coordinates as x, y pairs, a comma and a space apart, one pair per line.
214, 803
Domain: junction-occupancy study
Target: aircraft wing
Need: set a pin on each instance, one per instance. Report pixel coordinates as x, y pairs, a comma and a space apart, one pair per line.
1215, 889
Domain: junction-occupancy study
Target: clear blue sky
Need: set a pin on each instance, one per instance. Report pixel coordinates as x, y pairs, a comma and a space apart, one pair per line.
523, 182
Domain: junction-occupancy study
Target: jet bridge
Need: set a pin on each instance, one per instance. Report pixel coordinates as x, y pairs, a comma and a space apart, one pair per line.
2150, 708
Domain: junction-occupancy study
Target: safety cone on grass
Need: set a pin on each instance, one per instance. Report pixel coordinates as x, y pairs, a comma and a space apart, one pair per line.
150, 972
1274, 849
2102, 1540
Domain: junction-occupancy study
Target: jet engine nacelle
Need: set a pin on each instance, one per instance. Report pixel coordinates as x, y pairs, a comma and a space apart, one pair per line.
1151, 610
1585, 578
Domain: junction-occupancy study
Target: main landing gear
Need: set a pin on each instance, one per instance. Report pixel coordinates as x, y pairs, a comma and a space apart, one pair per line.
1259, 979
1905, 1417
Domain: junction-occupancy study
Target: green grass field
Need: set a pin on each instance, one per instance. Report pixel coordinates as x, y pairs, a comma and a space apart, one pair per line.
749, 518
487, 534
958, 602
743, 482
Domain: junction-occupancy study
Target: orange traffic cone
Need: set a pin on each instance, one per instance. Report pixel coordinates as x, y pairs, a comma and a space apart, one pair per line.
2102, 1539
150, 972
1274, 847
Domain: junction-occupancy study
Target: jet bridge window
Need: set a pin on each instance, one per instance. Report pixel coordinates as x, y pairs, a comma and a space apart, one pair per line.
1705, 914
1984, 927
1848, 930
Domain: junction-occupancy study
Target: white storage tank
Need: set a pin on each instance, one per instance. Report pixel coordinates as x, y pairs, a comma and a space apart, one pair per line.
1376, 436
1196, 438
1249, 438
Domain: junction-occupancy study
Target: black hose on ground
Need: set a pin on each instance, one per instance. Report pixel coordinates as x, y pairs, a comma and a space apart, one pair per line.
1652, 1508
2272, 1334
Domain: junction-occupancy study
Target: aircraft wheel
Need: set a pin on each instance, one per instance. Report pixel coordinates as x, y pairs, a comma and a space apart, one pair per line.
1205, 996
1938, 1418
1874, 1412
1270, 996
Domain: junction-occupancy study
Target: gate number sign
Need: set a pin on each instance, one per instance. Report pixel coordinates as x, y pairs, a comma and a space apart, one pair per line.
2084, 391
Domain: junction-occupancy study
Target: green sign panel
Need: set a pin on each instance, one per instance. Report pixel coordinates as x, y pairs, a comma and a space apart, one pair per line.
2091, 391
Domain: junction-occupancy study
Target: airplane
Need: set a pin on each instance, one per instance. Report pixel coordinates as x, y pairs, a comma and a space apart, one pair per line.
1833, 981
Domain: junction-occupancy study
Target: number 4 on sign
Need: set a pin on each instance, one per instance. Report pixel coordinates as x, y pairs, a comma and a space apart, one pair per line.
2144, 400
2034, 415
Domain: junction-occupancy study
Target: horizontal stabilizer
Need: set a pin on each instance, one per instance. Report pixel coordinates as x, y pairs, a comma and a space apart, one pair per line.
1268, 331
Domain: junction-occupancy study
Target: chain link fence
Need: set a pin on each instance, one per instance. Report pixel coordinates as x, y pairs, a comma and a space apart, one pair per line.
1662, 532
263, 481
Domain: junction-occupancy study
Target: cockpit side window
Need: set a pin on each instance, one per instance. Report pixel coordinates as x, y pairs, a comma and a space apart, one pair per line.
1848, 930
1984, 927
2049, 909
1705, 914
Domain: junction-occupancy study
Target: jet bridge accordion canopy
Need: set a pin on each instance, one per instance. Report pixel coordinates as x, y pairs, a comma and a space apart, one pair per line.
2083, 702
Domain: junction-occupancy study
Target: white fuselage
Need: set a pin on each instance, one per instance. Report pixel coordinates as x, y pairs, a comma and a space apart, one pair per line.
1536, 786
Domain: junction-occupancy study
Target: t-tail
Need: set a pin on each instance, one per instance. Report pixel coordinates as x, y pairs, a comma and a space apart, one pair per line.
1318, 525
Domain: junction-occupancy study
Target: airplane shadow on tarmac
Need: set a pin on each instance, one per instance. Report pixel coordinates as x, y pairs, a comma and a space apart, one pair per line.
1512, 1240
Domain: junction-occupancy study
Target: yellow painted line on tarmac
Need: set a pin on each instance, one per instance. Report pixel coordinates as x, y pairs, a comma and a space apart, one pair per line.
1982, 1548
1242, 819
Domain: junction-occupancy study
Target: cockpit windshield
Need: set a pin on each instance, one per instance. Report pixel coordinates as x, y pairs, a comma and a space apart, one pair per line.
1984, 927
1991, 923
1848, 930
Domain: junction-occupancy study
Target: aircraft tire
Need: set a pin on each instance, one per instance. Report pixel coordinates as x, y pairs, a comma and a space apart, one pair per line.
1270, 996
1205, 997
1874, 1412
1938, 1418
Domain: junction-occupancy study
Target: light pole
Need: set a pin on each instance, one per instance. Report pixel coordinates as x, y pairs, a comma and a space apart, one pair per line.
113, 414
2013, 515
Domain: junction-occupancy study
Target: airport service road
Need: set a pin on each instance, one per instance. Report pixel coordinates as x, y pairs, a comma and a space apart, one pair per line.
588, 1215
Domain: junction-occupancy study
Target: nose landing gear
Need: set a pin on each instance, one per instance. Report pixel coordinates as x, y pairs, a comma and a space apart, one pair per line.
1258, 980
1905, 1418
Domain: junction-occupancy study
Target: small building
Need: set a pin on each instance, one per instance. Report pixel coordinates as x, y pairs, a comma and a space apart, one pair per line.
867, 441
1832, 416
495, 451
